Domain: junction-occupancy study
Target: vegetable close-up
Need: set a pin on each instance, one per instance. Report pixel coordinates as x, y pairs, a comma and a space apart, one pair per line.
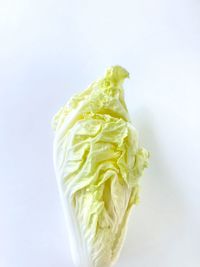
98, 163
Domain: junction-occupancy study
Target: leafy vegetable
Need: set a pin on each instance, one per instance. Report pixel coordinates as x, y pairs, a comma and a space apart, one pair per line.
98, 164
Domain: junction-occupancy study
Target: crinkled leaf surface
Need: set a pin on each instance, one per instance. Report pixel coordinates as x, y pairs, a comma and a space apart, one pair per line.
98, 164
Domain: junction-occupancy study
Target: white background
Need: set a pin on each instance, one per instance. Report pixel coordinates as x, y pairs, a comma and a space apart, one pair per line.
50, 50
